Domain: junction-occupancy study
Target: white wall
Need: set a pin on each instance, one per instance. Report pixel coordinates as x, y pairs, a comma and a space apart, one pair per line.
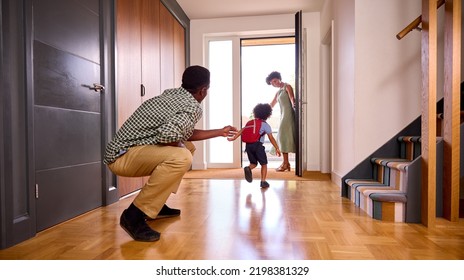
377, 78
312, 85
266, 25
388, 72
344, 88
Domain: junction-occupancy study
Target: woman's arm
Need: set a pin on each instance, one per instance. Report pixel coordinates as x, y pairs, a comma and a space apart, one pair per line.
290, 93
274, 143
274, 101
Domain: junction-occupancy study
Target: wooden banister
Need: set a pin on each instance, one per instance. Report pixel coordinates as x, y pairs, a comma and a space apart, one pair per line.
415, 23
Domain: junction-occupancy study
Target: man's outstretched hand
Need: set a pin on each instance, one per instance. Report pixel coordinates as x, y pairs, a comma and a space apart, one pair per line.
229, 131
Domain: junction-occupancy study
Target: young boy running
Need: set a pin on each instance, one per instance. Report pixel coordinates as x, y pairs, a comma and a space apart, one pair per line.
254, 148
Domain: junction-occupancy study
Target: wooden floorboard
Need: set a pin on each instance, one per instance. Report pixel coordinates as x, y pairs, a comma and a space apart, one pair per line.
236, 220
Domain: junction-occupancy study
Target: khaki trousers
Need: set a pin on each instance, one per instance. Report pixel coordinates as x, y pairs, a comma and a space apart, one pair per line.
166, 165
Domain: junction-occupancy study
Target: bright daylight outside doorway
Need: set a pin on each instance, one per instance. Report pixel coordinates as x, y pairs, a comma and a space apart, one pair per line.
259, 57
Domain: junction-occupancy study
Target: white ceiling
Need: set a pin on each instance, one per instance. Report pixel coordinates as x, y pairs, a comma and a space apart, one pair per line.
207, 9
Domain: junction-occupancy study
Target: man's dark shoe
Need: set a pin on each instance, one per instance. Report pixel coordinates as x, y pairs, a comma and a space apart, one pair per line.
264, 184
139, 231
167, 212
248, 174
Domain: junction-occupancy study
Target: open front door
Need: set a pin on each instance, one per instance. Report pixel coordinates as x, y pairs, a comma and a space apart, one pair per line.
299, 93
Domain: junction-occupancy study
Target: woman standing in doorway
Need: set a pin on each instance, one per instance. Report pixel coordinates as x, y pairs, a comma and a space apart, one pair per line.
286, 133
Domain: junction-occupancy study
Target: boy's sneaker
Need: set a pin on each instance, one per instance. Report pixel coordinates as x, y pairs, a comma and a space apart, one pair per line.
248, 174
264, 184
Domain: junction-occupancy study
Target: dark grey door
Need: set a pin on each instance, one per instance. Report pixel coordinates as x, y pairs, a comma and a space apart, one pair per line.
67, 112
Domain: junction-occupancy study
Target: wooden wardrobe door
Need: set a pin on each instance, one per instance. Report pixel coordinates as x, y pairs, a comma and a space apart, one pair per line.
179, 52
151, 65
128, 75
150, 52
167, 48
150, 31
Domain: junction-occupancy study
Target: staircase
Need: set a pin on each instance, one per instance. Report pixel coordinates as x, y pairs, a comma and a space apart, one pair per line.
387, 184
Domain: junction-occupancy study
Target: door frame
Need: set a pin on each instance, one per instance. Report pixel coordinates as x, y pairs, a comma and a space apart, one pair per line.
108, 103
237, 91
17, 215
327, 101
236, 100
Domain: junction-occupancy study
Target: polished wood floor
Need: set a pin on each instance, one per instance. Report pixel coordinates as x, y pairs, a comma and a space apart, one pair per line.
236, 220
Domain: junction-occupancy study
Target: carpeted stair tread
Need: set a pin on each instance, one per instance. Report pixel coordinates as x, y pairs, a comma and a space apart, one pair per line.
389, 197
394, 163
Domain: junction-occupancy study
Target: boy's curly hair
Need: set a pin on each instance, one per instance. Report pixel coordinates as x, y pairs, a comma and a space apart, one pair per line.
262, 111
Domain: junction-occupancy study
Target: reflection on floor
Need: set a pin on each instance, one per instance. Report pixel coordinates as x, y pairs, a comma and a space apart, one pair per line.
233, 219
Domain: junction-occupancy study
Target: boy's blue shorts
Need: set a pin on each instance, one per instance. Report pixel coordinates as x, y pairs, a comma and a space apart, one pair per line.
256, 153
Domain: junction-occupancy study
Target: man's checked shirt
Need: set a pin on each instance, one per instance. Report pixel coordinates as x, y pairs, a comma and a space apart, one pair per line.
169, 117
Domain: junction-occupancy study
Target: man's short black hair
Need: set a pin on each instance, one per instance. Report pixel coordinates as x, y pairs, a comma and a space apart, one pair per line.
195, 77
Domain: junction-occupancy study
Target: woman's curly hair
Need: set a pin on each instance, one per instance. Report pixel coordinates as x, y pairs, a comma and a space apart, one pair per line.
273, 75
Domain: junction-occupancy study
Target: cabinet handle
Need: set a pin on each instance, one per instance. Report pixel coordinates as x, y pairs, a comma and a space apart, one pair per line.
142, 90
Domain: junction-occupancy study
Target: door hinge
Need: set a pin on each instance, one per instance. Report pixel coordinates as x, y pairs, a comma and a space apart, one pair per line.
36, 191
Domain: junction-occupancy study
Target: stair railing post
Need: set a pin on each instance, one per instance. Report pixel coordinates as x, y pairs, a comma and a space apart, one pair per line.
452, 110
429, 111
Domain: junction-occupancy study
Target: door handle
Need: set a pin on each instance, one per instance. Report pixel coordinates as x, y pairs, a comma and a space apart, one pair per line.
96, 87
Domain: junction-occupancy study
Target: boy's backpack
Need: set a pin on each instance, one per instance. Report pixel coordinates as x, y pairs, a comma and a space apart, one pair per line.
250, 133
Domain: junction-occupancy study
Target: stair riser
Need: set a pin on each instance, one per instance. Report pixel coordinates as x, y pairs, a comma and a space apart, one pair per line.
410, 147
389, 211
367, 204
